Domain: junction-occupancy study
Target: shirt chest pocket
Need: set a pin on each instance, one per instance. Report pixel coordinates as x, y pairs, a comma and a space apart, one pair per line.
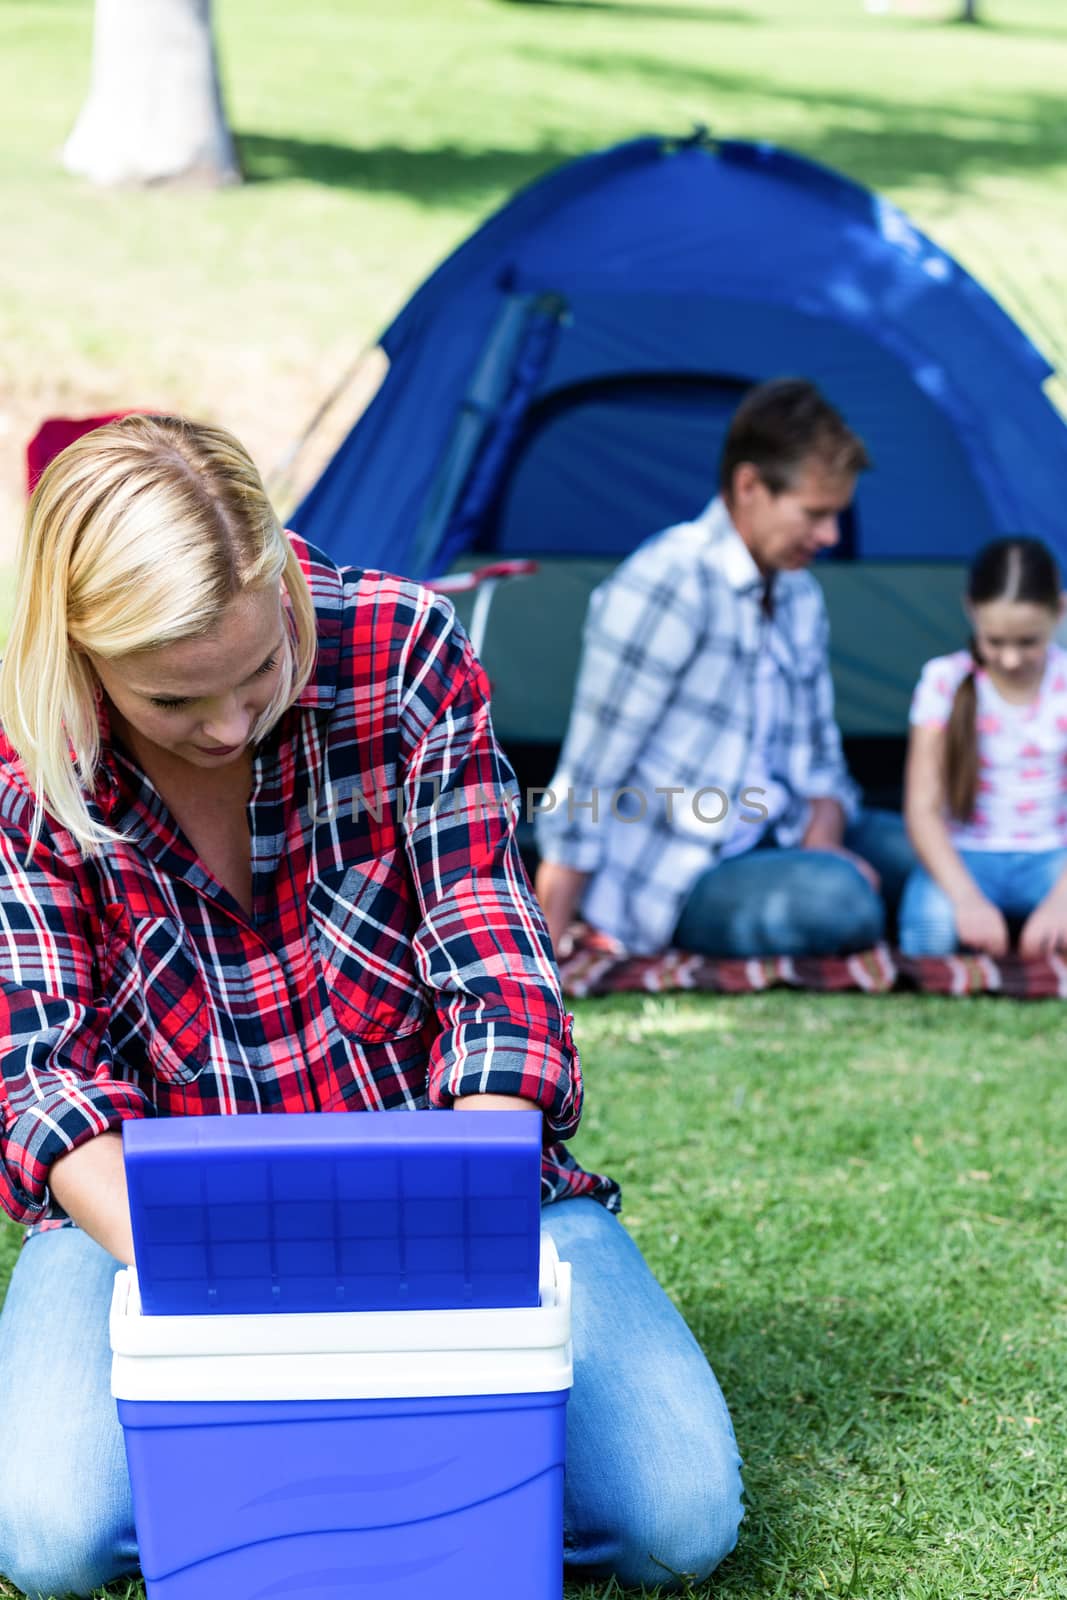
804, 662
794, 686
158, 997
360, 915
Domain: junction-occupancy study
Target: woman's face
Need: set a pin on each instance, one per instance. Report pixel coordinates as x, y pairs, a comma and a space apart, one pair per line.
1013, 638
199, 700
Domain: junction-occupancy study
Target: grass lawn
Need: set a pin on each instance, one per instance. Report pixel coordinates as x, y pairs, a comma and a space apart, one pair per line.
858, 1203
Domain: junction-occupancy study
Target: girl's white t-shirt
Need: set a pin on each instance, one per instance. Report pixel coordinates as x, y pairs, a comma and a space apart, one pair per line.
1021, 802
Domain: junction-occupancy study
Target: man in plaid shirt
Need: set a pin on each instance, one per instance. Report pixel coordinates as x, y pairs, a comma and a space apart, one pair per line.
701, 797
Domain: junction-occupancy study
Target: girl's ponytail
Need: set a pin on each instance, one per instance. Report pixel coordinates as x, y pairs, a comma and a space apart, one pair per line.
961, 746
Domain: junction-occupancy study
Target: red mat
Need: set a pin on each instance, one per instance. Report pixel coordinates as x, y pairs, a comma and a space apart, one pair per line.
594, 965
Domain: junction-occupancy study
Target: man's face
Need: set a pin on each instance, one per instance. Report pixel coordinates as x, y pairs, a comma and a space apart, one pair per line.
786, 531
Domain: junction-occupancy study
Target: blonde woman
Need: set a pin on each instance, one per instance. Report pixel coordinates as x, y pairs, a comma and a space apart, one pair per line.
256, 856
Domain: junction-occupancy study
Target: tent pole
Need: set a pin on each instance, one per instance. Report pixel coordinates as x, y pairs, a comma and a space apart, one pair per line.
280, 476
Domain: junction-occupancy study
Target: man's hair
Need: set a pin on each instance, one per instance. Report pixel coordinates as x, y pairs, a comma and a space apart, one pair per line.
782, 424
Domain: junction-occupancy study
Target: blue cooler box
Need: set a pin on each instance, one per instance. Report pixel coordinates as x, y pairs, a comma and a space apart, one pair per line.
402, 1454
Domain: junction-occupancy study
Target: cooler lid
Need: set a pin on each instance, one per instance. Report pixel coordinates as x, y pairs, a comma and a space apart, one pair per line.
335, 1211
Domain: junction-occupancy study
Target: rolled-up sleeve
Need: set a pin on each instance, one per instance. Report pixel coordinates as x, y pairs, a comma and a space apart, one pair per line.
56, 1087
481, 945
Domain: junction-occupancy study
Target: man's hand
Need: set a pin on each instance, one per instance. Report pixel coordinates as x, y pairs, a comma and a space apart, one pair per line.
981, 925
825, 831
1045, 929
559, 889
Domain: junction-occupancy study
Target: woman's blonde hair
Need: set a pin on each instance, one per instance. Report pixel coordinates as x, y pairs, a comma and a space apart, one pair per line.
138, 535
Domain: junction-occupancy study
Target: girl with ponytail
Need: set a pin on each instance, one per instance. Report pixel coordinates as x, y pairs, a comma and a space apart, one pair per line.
986, 783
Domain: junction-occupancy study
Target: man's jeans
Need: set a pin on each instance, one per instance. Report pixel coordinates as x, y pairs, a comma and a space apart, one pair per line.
772, 902
1016, 881
652, 1483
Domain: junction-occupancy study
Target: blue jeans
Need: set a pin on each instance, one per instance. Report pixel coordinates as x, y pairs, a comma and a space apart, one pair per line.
772, 902
652, 1482
1016, 881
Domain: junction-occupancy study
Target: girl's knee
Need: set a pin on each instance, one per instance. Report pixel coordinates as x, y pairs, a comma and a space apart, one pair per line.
927, 922
928, 939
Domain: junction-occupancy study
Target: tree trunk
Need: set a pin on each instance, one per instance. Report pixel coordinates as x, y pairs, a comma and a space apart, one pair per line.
154, 112
970, 11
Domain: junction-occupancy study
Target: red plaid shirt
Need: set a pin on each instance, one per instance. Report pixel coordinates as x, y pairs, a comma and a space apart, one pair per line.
395, 955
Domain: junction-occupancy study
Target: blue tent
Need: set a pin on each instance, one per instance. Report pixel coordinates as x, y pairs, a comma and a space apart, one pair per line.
560, 386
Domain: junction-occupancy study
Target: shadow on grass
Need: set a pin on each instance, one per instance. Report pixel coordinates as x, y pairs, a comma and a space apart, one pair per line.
669, 11
445, 176
1022, 30
877, 139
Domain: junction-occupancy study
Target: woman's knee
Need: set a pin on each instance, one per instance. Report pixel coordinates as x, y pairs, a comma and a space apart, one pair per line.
679, 1528
49, 1548
57, 1568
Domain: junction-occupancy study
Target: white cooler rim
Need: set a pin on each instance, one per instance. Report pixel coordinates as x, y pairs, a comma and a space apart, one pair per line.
344, 1355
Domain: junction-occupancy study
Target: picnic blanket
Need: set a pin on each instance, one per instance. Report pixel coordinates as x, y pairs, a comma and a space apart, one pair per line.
594, 965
